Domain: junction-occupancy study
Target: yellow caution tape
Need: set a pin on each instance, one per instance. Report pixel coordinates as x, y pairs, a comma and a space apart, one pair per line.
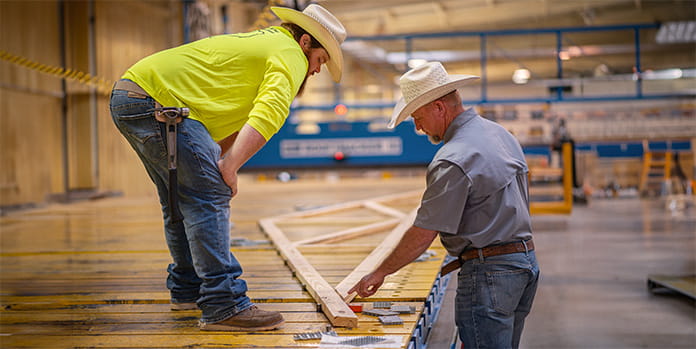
103, 85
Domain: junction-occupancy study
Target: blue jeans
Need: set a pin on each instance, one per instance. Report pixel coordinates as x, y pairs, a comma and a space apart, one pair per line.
494, 296
203, 269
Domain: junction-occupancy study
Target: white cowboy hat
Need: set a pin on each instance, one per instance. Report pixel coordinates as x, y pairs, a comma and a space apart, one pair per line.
324, 27
422, 85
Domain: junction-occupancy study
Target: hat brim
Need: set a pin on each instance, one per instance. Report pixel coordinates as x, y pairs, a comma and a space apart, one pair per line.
319, 32
402, 110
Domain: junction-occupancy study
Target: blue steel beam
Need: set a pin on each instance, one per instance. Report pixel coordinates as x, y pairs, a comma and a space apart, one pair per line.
326, 107
484, 68
505, 32
639, 80
483, 35
559, 64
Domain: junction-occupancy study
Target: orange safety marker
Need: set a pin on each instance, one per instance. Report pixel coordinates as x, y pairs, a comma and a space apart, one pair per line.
355, 307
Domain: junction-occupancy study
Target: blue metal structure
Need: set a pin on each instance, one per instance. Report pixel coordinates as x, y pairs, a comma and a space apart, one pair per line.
359, 146
431, 311
557, 97
354, 144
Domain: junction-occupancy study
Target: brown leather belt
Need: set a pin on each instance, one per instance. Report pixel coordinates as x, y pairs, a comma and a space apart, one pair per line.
490, 251
130, 86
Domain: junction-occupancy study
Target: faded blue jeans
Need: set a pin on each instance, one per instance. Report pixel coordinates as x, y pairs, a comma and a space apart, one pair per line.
203, 269
494, 296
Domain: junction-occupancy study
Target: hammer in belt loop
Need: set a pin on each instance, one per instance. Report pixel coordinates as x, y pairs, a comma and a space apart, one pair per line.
171, 116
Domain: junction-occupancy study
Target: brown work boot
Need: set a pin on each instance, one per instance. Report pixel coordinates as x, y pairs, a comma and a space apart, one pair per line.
251, 319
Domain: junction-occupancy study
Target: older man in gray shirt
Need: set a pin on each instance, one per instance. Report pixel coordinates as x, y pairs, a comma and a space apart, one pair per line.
477, 201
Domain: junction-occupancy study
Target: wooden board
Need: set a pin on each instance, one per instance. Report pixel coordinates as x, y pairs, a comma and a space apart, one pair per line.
333, 306
334, 301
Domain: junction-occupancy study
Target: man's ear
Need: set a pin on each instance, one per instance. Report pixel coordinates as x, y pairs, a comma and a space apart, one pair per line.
305, 42
440, 105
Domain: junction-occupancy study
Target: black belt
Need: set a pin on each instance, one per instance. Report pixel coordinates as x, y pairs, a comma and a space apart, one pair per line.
490, 251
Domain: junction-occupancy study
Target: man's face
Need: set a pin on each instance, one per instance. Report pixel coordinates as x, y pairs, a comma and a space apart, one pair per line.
429, 122
315, 58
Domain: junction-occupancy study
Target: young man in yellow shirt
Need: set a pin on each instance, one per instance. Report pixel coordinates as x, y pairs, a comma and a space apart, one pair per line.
238, 89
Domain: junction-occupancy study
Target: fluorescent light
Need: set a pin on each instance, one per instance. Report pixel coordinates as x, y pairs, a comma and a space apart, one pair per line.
666, 74
574, 51
521, 76
416, 62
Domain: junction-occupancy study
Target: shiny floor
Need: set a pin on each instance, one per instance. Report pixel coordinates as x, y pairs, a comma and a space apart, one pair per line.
595, 264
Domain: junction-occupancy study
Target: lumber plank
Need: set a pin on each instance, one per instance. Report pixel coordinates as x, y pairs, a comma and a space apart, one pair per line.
199, 340
136, 308
375, 257
345, 206
384, 209
371, 326
320, 249
351, 233
330, 221
337, 311
146, 297
171, 317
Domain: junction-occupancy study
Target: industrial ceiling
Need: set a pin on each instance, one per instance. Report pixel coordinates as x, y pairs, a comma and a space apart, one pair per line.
591, 53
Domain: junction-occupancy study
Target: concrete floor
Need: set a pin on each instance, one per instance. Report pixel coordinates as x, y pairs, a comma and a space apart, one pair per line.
594, 269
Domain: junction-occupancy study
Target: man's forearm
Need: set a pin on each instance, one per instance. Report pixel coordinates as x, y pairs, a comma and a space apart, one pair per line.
226, 143
246, 143
414, 242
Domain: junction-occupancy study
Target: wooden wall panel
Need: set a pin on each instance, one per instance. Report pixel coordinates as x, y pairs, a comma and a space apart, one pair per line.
127, 32
30, 104
32, 162
81, 142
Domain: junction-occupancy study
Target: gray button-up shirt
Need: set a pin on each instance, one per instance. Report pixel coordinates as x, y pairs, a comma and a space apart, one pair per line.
477, 189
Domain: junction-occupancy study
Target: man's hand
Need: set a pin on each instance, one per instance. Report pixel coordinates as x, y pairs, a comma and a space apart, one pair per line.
414, 242
241, 147
230, 176
368, 285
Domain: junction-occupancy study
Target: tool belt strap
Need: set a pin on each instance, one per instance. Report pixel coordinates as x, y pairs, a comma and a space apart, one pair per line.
490, 251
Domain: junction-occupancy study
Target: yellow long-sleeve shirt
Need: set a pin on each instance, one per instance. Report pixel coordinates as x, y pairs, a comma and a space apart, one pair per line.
228, 80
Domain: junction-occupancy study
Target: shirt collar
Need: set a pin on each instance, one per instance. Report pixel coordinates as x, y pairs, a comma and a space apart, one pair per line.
459, 121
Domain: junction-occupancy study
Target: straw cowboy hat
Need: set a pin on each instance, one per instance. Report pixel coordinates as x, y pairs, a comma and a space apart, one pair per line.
422, 85
324, 27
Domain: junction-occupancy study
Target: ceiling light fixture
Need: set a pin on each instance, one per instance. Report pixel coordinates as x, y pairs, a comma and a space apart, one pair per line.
416, 62
521, 76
